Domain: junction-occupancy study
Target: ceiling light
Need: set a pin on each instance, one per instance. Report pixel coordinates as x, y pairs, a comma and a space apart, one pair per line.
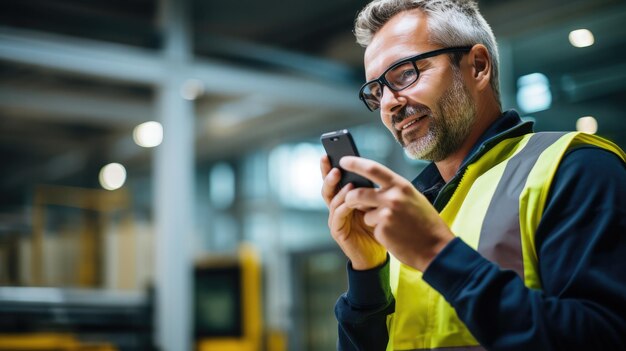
148, 134
533, 92
192, 89
581, 38
112, 176
587, 125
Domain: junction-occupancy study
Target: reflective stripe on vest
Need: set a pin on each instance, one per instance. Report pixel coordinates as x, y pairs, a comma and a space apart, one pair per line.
495, 209
457, 348
500, 239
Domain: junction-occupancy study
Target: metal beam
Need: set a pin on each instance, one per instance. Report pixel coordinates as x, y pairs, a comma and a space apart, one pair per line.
298, 63
595, 82
70, 107
130, 64
80, 56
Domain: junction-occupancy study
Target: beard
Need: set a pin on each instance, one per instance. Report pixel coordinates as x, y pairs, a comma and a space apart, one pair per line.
446, 131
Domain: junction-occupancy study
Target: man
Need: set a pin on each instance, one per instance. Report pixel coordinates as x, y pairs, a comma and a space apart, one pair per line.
508, 240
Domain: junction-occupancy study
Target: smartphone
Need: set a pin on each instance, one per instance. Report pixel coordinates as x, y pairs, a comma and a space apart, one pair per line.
339, 144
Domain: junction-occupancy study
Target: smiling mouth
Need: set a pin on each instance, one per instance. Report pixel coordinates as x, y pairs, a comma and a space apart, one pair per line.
412, 123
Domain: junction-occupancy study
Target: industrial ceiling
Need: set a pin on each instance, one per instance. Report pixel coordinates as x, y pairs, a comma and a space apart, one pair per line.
76, 76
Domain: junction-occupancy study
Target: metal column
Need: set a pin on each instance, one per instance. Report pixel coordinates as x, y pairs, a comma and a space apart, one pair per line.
173, 187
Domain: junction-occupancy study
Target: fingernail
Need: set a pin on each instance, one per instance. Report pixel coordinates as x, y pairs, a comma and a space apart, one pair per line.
342, 161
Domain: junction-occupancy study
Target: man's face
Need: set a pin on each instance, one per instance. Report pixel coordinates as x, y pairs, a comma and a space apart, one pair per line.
432, 117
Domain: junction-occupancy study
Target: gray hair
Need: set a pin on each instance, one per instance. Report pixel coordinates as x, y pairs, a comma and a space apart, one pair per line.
450, 22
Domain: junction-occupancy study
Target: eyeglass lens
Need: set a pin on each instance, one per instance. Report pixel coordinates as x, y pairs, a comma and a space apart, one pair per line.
397, 78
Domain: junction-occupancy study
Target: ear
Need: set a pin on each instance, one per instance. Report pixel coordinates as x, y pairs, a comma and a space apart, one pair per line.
480, 63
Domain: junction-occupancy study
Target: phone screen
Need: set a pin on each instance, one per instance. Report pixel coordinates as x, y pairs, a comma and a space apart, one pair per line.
337, 145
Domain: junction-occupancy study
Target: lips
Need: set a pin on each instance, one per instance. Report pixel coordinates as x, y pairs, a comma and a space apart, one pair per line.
407, 122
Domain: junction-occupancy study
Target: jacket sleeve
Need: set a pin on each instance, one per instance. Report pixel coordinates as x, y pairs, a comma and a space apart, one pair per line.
581, 245
362, 311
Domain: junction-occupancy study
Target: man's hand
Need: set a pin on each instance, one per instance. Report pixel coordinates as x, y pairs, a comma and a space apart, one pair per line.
402, 218
346, 223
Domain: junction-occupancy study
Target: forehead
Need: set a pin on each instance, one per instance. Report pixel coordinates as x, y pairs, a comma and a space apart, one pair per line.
403, 35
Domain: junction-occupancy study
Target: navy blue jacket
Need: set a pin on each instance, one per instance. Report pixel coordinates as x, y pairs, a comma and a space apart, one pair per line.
581, 245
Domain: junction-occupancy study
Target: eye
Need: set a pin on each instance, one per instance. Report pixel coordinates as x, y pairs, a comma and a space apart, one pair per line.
402, 75
375, 90
408, 75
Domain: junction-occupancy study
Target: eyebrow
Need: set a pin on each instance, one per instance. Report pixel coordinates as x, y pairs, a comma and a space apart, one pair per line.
404, 58
394, 63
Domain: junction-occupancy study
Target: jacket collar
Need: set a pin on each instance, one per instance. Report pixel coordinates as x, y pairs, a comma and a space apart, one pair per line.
509, 125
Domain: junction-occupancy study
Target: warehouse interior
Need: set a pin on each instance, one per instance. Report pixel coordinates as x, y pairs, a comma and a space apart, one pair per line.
208, 231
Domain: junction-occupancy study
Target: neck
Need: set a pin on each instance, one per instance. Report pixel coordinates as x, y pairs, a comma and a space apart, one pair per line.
485, 116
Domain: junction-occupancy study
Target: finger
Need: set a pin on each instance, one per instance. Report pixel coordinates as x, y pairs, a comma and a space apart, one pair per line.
339, 220
372, 217
364, 208
369, 169
383, 218
329, 186
363, 198
325, 166
336, 202
340, 198
378, 216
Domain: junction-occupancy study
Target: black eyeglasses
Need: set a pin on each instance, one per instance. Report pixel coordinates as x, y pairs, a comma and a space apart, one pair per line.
399, 76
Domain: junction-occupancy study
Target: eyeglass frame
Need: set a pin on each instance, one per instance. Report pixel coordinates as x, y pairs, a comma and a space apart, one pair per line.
382, 81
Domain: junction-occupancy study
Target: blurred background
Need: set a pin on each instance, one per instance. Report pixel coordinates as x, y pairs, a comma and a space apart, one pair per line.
160, 183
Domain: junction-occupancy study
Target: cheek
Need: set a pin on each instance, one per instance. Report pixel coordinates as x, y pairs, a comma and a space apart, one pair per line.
386, 119
428, 89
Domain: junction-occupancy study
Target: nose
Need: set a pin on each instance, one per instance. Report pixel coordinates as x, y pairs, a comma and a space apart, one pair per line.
391, 101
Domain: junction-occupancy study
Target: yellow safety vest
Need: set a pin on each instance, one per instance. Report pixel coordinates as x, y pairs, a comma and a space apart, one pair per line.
503, 193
